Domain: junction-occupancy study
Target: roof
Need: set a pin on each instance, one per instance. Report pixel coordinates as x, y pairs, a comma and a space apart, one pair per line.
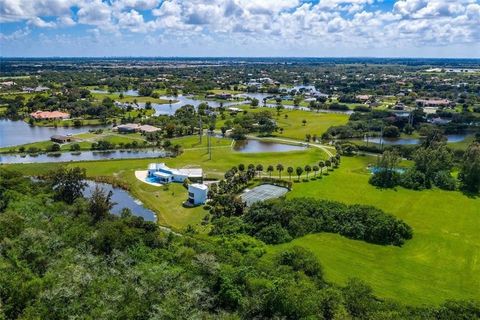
162, 174
148, 128
59, 137
198, 186
189, 172
48, 114
132, 126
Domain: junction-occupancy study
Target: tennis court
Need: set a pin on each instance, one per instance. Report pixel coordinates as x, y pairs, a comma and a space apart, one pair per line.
263, 192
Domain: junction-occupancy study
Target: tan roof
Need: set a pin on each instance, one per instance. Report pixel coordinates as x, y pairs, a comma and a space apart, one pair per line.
49, 114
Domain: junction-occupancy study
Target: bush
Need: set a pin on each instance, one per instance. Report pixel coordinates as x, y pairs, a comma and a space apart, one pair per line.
278, 221
444, 180
413, 179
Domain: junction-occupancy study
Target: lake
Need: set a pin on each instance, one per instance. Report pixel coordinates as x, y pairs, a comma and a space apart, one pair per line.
83, 156
451, 138
14, 133
122, 199
257, 146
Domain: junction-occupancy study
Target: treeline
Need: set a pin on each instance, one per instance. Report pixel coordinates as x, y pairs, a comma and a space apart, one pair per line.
279, 221
433, 163
63, 256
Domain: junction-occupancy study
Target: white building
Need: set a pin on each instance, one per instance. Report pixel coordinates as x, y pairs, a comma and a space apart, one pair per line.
197, 193
164, 174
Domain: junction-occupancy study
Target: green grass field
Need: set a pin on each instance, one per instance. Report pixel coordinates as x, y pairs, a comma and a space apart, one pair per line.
317, 123
442, 261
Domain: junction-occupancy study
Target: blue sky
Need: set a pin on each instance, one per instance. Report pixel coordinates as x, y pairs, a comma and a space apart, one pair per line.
402, 28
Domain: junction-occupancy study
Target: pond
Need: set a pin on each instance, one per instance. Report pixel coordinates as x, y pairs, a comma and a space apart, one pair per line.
257, 146
181, 100
14, 133
122, 199
83, 156
451, 138
130, 92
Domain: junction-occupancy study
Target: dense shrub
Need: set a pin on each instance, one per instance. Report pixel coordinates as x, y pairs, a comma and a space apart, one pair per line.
444, 180
413, 179
278, 221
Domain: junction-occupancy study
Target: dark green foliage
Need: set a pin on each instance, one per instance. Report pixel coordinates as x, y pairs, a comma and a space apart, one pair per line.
386, 175
56, 264
67, 183
470, 169
413, 179
278, 221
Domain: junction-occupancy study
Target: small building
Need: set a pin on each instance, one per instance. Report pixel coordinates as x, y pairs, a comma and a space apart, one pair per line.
163, 174
146, 128
434, 102
49, 115
128, 128
60, 138
197, 193
362, 97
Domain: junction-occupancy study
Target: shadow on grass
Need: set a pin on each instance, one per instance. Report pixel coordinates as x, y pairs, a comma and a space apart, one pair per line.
470, 194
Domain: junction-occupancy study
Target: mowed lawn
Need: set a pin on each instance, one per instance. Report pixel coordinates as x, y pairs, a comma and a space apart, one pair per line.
168, 203
441, 262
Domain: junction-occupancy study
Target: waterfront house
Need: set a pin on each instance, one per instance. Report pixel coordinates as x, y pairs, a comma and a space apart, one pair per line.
49, 115
163, 174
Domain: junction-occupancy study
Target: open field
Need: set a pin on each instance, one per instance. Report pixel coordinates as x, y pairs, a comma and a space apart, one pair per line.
442, 261
317, 123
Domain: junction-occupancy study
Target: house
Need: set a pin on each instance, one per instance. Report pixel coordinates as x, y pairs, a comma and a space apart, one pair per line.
60, 138
49, 115
128, 128
163, 174
197, 193
36, 89
234, 110
146, 128
433, 102
362, 97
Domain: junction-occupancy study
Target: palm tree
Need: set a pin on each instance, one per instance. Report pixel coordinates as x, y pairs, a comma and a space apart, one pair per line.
299, 171
280, 169
315, 170
321, 164
259, 169
328, 163
290, 171
307, 170
270, 170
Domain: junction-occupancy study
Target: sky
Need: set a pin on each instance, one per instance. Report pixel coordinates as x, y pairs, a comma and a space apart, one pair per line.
240, 28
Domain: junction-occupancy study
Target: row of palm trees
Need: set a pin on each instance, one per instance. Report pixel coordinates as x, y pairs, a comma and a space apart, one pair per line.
332, 162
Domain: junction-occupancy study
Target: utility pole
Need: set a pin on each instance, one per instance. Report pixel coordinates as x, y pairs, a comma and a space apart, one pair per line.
201, 128
381, 138
209, 135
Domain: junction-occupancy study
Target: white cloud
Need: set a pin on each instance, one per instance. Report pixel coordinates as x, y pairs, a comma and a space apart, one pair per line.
275, 23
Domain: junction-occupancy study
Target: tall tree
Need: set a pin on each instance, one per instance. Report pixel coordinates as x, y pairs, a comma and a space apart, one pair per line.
299, 172
100, 204
280, 168
68, 183
470, 169
290, 171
